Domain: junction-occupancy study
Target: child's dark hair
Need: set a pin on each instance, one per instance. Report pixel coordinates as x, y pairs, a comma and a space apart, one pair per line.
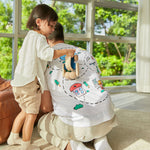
43, 12
58, 33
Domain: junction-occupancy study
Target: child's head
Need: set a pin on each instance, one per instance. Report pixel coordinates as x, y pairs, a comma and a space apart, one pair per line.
42, 12
57, 35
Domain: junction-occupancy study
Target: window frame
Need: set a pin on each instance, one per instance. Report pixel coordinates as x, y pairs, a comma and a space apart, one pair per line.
89, 36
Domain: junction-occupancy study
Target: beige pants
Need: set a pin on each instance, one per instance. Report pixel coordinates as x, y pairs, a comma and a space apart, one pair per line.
56, 132
28, 97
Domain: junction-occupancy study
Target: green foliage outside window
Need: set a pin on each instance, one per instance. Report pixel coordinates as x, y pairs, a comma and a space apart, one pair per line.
112, 58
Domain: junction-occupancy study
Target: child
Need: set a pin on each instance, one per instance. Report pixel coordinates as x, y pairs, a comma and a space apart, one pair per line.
83, 110
29, 80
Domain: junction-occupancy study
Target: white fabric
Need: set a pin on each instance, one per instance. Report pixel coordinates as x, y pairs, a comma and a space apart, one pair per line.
143, 48
78, 146
81, 102
33, 57
14, 139
102, 144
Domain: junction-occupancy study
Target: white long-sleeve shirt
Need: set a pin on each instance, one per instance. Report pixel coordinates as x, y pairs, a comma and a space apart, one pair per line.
33, 57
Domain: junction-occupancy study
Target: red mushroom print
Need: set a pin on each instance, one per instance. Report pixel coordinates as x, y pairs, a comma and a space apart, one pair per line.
77, 89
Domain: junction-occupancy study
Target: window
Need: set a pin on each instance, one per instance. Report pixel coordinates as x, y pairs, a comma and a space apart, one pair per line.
6, 20
125, 1
71, 16
106, 28
115, 22
6, 57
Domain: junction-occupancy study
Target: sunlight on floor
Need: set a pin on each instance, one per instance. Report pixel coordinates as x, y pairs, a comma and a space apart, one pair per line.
132, 101
139, 145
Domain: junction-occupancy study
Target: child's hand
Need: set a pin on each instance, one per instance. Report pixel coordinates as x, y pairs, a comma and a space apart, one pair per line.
70, 52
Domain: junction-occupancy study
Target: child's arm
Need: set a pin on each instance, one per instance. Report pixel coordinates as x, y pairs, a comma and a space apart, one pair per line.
45, 52
59, 53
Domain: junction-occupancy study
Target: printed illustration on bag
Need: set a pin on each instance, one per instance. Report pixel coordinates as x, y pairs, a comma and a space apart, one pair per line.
98, 84
77, 89
87, 88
